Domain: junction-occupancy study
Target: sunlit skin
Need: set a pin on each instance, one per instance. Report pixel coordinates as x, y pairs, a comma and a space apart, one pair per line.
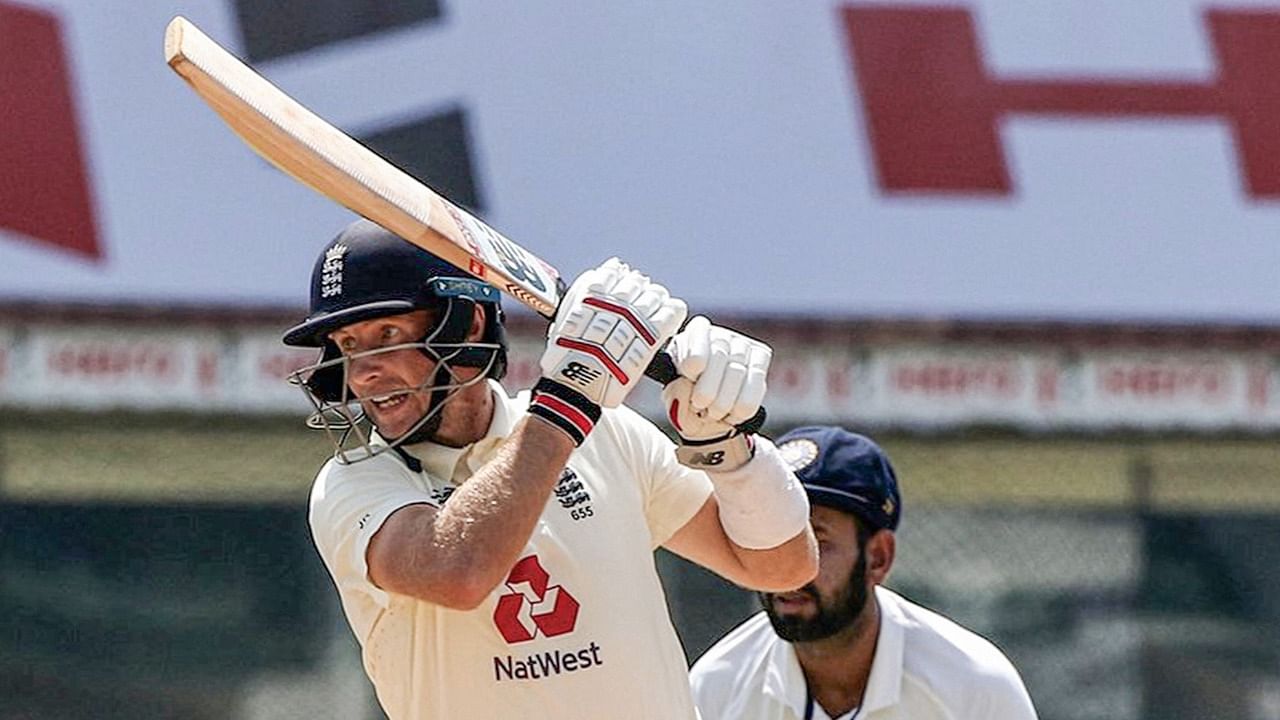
381, 380
454, 555
834, 621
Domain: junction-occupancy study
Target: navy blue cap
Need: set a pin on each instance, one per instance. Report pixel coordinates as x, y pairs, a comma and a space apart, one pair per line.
846, 471
367, 272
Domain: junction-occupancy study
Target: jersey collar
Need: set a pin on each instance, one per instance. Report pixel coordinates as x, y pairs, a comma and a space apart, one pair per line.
884, 687
783, 678
442, 462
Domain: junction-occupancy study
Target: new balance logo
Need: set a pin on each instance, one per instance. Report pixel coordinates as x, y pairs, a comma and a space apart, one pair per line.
580, 374
712, 458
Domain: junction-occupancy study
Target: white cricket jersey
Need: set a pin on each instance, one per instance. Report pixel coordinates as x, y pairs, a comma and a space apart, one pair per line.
926, 667
580, 628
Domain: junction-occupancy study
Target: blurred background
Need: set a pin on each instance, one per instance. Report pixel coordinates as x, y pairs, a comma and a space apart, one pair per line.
1033, 248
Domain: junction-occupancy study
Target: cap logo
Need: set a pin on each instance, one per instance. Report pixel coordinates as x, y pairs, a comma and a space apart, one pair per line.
798, 454
887, 507
331, 271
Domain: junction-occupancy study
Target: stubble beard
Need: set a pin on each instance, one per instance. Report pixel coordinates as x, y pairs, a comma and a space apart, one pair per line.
831, 618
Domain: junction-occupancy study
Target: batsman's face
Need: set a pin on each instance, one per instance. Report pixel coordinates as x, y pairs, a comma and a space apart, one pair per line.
390, 384
834, 599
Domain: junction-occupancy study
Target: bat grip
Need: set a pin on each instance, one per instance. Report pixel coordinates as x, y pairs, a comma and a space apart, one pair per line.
663, 369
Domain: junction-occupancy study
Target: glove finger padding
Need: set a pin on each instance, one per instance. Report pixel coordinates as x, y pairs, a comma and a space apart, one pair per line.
690, 348
601, 341
630, 286
722, 384
692, 424
729, 369
593, 280
724, 391
751, 396
706, 443
651, 300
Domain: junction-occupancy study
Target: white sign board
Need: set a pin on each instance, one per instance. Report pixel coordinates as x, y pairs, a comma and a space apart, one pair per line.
993, 158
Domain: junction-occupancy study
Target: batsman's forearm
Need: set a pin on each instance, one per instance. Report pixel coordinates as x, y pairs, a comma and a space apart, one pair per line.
475, 538
780, 569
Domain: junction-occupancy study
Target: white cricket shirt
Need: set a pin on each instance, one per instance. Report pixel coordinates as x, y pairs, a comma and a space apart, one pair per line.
926, 667
580, 628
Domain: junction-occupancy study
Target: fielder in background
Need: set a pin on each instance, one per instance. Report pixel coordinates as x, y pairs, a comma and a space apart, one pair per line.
843, 647
495, 555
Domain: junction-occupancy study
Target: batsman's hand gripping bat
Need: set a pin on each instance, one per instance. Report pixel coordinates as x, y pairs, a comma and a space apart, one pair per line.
317, 154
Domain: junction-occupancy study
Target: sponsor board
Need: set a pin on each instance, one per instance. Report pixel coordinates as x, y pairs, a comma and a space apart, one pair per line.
904, 385
1120, 161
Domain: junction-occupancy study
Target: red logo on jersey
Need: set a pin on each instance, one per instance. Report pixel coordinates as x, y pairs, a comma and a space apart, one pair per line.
533, 606
934, 108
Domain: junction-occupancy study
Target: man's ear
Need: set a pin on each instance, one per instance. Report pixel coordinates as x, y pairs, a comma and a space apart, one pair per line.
477, 323
881, 550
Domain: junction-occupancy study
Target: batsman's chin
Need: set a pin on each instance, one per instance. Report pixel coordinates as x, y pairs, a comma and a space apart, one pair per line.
396, 417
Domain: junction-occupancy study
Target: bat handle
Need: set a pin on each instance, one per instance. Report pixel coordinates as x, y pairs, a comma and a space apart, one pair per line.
663, 369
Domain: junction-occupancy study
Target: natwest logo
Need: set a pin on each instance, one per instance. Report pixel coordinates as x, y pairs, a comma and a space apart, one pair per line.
534, 605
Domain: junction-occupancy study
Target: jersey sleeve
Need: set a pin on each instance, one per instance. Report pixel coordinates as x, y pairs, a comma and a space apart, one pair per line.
349, 503
727, 680
707, 680
1005, 696
672, 492
991, 687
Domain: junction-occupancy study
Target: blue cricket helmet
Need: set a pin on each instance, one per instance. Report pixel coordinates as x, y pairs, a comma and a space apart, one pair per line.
367, 272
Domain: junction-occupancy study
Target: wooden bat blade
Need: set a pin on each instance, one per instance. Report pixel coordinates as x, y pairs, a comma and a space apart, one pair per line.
319, 155
329, 161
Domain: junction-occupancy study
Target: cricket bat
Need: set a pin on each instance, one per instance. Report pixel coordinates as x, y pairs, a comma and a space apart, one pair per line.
319, 155
324, 158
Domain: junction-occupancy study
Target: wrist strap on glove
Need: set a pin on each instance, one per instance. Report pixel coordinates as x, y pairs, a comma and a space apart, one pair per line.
565, 408
721, 454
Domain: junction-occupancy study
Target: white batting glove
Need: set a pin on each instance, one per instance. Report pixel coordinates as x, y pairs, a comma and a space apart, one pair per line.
721, 384
609, 325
